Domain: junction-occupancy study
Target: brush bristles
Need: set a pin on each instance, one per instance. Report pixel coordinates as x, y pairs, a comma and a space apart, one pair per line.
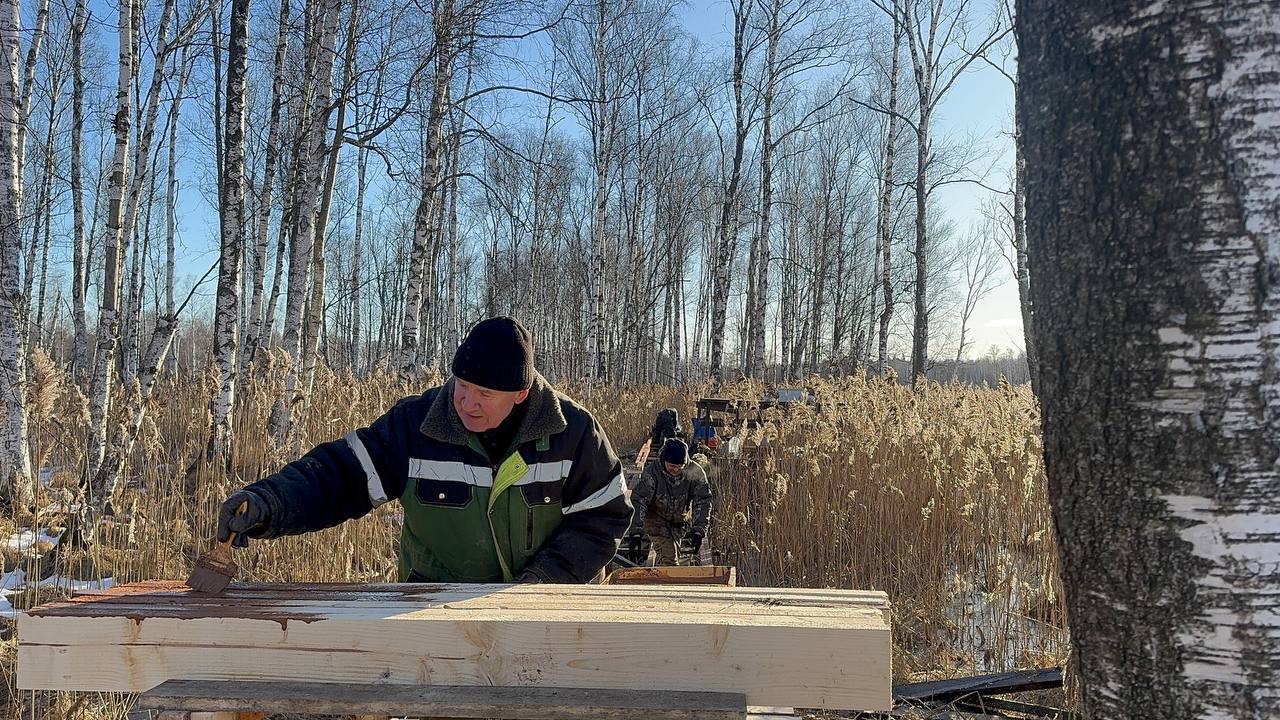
211, 577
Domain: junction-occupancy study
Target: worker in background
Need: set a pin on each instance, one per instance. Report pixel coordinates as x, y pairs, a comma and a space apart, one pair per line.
672, 505
665, 425
501, 477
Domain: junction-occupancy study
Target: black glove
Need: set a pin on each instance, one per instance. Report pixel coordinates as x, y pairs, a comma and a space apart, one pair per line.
256, 515
635, 545
693, 540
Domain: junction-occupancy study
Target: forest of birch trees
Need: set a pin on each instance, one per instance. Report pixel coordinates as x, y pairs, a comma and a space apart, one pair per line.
197, 186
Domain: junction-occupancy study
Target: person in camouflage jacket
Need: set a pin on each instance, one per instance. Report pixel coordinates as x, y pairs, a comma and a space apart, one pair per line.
672, 503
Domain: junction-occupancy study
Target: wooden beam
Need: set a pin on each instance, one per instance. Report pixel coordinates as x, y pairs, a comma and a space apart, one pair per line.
793, 648
994, 684
504, 703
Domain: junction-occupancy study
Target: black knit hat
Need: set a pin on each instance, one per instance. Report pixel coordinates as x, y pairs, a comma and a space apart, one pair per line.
675, 451
497, 354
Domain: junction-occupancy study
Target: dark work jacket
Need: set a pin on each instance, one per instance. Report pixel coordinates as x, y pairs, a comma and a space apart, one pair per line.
554, 506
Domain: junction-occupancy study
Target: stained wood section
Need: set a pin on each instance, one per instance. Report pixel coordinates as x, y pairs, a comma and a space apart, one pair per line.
792, 648
679, 575
504, 703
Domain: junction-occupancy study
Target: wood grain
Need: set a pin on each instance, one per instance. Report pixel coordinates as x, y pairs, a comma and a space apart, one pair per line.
792, 648
504, 703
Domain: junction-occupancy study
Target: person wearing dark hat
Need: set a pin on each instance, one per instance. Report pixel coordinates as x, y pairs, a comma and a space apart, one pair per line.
672, 505
501, 477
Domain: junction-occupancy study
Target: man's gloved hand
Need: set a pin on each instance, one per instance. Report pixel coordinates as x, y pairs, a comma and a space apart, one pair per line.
256, 515
635, 544
693, 540
528, 577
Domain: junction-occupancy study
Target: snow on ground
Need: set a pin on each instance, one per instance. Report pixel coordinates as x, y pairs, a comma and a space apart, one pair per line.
25, 539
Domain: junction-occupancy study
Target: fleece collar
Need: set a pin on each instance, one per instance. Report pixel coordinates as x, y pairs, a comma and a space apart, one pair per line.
543, 416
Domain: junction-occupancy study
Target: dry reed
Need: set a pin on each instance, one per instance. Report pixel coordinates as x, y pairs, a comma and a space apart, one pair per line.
935, 495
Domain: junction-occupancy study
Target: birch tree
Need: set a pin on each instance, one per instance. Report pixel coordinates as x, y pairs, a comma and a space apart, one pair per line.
445, 24
79, 264
231, 194
265, 198
15, 461
936, 32
311, 149
1150, 136
886, 181
745, 43
109, 308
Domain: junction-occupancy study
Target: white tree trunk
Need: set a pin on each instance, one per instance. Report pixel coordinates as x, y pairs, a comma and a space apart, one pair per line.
16, 487
79, 264
1151, 136
323, 51
28, 85
262, 227
231, 206
425, 228
884, 215
109, 309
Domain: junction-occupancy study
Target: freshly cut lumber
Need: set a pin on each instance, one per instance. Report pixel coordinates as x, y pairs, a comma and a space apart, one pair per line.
779, 647
444, 701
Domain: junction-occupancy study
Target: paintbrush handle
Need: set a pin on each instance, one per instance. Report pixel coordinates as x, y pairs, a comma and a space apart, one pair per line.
231, 536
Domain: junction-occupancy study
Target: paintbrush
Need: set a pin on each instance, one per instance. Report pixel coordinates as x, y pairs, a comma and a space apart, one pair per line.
213, 570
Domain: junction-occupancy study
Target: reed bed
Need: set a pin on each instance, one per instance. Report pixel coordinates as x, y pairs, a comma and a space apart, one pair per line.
935, 495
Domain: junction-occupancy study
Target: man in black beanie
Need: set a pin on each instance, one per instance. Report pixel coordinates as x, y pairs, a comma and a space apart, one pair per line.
501, 477
673, 506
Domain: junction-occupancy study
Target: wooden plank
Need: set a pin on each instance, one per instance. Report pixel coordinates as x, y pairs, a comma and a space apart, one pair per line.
808, 648
978, 703
503, 703
994, 684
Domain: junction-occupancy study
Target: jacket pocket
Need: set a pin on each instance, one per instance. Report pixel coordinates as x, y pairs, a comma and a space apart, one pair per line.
540, 494
443, 493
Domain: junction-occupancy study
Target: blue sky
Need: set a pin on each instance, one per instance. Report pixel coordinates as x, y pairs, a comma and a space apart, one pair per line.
980, 104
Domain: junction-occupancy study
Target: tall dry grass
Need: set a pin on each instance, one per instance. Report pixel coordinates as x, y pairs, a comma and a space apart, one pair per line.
934, 495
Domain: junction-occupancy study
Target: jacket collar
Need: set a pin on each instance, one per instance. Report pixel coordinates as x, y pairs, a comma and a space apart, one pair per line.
543, 417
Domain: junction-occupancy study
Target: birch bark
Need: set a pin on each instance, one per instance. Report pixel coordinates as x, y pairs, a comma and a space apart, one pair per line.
262, 227
1151, 136
109, 309
322, 52
231, 195
16, 486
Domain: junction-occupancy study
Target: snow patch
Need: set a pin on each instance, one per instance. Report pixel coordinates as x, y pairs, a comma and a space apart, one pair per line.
25, 540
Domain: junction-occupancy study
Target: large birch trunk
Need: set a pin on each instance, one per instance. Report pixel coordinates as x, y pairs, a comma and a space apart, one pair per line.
16, 486
231, 195
28, 85
315, 319
755, 340
1151, 135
